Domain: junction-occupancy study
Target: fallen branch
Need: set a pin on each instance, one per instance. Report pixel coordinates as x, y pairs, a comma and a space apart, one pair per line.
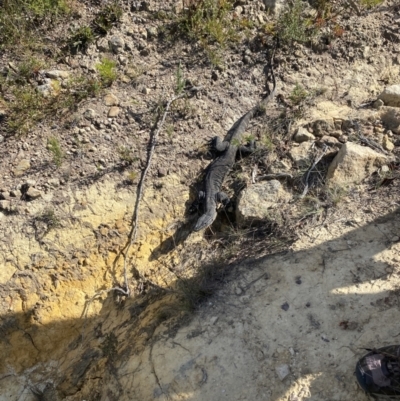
317, 160
135, 217
275, 176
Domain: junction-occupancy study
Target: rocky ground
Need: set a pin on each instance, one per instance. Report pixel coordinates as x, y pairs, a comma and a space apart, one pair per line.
276, 300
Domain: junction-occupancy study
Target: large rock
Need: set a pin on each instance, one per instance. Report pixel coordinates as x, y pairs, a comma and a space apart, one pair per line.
391, 96
301, 155
21, 167
257, 202
58, 74
353, 163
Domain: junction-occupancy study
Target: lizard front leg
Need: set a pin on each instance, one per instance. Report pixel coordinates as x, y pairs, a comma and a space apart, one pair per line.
219, 145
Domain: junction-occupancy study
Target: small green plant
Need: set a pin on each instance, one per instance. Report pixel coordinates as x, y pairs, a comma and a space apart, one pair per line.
53, 145
107, 18
311, 205
132, 177
21, 20
170, 132
26, 106
371, 3
107, 71
208, 23
47, 218
266, 141
335, 194
293, 27
126, 155
298, 95
28, 69
180, 81
81, 38
26, 109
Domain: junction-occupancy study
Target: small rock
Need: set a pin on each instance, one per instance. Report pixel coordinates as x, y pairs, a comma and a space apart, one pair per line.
46, 89
336, 134
104, 231
113, 112
111, 100
103, 45
15, 193
328, 140
58, 74
1, 138
238, 291
256, 202
282, 371
238, 10
301, 154
146, 91
90, 114
302, 135
54, 182
260, 18
384, 169
387, 143
323, 127
178, 6
116, 43
213, 320
391, 96
378, 104
353, 163
145, 52
33, 193
275, 6
162, 172
21, 167
5, 205
395, 239
285, 306
152, 32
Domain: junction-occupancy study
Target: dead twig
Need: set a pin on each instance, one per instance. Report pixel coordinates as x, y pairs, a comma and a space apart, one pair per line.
139, 194
317, 160
275, 176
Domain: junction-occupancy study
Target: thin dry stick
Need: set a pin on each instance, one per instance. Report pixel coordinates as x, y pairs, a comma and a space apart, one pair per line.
317, 160
135, 217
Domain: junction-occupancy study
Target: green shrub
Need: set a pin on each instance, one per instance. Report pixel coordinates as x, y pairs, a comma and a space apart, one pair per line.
20, 20
81, 38
53, 145
106, 69
293, 27
108, 16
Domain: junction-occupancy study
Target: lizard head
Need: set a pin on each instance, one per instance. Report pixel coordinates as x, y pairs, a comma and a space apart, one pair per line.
205, 220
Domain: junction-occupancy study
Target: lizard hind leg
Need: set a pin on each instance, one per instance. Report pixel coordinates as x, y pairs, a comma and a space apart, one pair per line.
245, 150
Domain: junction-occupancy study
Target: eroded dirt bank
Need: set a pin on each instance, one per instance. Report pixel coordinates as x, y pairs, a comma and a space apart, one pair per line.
309, 312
